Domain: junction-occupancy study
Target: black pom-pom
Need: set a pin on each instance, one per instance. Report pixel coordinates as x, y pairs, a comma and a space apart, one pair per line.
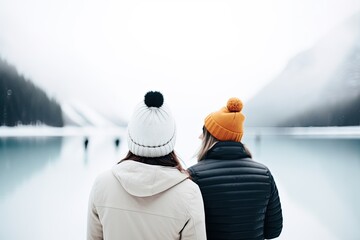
154, 99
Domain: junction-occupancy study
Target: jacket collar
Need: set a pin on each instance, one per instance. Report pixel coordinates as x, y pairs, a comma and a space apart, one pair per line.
227, 150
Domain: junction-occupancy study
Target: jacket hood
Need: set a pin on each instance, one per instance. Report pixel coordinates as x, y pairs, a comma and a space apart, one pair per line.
143, 180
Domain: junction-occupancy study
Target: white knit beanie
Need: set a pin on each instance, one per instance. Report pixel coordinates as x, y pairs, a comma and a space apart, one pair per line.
151, 130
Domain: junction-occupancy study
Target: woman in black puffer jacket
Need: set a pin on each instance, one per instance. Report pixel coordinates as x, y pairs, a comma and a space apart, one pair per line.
240, 195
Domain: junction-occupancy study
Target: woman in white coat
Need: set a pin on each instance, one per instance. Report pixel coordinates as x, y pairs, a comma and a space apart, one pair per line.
147, 195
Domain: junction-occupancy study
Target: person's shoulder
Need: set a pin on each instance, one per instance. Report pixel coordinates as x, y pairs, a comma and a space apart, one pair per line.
188, 186
200, 164
103, 177
265, 168
193, 169
258, 164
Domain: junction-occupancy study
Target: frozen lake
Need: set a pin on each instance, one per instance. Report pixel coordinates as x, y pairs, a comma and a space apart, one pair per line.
45, 183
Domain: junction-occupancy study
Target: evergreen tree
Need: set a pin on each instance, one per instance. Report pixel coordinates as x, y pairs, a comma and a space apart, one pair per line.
21, 102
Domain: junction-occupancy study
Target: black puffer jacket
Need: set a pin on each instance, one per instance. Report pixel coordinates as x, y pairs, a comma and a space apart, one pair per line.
240, 195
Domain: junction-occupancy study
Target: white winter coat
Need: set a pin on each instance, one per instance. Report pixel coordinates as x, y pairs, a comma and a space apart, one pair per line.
137, 201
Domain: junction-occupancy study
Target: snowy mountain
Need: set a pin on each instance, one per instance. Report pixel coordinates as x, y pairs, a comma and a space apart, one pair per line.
318, 87
77, 113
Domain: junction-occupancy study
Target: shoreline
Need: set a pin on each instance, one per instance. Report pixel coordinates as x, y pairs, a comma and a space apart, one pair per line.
34, 131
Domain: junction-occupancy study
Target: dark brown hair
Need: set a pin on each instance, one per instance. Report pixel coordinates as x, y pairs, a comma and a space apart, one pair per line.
170, 160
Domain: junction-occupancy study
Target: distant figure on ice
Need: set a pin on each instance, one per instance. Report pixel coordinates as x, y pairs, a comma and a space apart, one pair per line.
117, 142
148, 194
240, 195
86, 143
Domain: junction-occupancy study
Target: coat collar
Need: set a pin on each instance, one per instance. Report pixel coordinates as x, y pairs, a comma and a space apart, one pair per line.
227, 150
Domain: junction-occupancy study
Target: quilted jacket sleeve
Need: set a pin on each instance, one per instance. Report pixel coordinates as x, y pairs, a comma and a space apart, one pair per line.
273, 218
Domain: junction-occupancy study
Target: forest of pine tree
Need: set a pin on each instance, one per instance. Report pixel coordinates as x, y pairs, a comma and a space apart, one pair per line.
23, 103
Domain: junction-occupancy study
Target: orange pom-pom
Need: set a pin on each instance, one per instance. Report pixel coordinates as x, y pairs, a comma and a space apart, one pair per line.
234, 105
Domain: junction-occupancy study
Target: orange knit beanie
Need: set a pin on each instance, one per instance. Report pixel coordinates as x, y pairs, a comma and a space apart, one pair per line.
227, 123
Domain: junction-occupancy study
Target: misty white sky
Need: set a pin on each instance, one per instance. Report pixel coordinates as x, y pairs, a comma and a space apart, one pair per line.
108, 53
